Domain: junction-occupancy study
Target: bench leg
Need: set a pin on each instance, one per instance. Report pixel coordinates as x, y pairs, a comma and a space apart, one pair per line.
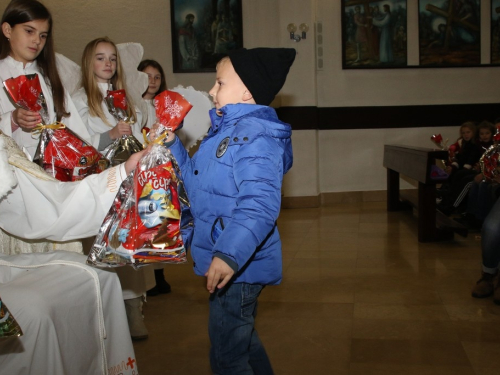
393, 203
427, 230
426, 213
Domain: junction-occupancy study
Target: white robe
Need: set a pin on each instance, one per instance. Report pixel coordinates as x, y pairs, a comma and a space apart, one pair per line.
10, 68
72, 315
94, 124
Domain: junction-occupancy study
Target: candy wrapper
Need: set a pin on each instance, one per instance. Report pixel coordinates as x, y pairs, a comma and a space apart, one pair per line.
60, 152
171, 108
66, 156
8, 324
26, 92
121, 149
144, 224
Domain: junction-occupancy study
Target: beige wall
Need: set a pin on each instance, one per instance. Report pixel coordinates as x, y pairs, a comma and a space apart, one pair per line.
325, 161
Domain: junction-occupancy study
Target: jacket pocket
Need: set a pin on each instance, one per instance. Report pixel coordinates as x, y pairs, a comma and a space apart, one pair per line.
217, 229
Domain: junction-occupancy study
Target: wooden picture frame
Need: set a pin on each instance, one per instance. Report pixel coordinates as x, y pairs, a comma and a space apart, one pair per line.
203, 31
495, 32
449, 37
374, 34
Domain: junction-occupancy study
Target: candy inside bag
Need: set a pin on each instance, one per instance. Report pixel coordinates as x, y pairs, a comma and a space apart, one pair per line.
8, 324
26, 92
60, 152
65, 156
144, 224
120, 149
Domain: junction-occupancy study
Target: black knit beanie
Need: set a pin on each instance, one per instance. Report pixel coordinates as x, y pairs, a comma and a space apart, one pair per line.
263, 70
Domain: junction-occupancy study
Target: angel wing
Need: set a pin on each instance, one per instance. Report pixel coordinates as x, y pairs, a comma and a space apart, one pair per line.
70, 73
197, 121
130, 56
137, 82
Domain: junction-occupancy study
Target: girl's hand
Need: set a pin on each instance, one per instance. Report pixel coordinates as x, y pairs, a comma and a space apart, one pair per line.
122, 128
448, 169
25, 119
478, 178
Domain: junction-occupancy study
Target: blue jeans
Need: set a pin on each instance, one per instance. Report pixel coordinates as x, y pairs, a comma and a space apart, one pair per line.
236, 347
490, 239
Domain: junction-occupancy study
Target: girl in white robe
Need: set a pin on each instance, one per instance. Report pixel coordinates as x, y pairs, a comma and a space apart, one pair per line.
102, 71
27, 47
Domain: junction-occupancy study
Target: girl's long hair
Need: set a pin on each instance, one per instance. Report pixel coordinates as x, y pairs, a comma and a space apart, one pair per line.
154, 64
90, 84
22, 11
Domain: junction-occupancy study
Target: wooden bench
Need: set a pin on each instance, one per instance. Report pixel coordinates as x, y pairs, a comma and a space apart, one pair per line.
416, 163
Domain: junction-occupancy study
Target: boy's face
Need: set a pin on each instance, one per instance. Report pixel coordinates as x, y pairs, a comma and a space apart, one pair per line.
229, 88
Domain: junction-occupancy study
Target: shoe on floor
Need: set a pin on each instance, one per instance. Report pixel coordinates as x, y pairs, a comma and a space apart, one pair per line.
485, 286
138, 330
163, 287
154, 291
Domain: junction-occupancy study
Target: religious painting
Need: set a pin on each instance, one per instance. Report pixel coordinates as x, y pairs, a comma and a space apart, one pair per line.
374, 34
495, 32
449, 33
203, 31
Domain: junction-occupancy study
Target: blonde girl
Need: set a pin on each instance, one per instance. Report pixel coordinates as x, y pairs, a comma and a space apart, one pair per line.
102, 71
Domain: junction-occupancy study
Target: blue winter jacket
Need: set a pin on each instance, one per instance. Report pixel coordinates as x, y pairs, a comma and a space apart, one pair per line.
234, 186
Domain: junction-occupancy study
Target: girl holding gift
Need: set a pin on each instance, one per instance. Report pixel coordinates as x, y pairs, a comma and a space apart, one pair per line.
102, 71
156, 84
27, 47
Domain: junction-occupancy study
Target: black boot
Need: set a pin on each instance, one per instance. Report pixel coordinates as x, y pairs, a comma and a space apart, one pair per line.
162, 286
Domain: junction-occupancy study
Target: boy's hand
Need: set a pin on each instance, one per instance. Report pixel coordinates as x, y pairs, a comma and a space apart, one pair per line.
219, 270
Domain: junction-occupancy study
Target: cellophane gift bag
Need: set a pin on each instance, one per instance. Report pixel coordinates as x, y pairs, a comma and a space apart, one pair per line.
120, 149
144, 224
62, 153
8, 324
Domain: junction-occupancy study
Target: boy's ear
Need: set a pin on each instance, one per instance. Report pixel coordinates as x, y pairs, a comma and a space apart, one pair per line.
247, 95
6, 29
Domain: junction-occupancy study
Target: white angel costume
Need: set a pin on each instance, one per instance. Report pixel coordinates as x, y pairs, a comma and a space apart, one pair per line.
11, 68
136, 81
72, 315
95, 125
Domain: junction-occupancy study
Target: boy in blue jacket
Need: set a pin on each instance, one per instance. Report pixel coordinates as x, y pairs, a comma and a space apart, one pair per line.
234, 186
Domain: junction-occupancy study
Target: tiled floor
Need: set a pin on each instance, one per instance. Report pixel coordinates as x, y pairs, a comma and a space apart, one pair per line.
359, 295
